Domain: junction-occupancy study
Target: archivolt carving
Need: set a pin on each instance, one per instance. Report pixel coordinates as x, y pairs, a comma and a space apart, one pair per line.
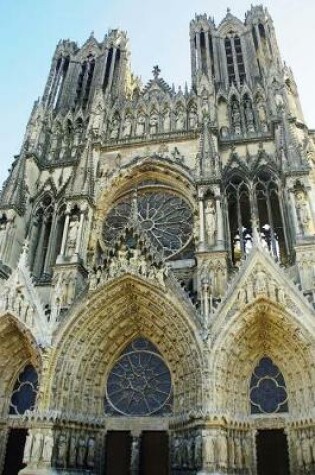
264, 329
17, 348
89, 343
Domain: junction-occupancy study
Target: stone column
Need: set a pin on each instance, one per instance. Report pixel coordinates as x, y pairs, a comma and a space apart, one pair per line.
206, 300
207, 41
219, 220
202, 230
199, 64
79, 235
135, 453
65, 234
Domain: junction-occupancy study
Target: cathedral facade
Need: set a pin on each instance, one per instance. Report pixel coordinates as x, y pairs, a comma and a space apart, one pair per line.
157, 252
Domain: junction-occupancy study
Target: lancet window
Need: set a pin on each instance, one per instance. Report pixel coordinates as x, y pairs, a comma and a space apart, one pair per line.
235, 60
24, 393
84, 81
268, 393
139, 383
255, 212
44, 238
58, 80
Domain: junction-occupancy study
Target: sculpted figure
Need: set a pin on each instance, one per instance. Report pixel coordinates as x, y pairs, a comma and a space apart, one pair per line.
180, 119
48, 448
115, 129
154, 121
236, 118
249, 116
306, 451
91, 453
72, 235
210, 218
167, 122
37, 447
62, 447
192, 119
222, 450
81, 452
140, 125
302, 211
208, 450
28, 448
135, 455
72, 451
127, 126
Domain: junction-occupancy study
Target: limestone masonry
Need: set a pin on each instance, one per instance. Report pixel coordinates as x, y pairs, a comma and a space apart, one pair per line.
157, 252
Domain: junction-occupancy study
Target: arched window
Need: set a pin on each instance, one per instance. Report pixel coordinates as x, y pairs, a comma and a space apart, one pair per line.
268, 393
139, 383
234, 59
84, 81
256, 206
24, 392
41, 242
59, 77
239, 209
270, 215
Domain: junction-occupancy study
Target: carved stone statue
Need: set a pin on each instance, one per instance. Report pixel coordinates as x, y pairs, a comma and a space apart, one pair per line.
140, 130
154, 121
81, 452
72, 451
62, 447
72, 235
192, 119
127, 126
135, 450
249, 116
28, 448
37, 446
236, 118
114, 134
180, 119
210, 220
302, 210
48, 448
167, 122
91, 453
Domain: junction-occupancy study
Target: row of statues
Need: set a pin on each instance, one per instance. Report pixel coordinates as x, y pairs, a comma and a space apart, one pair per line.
128, 260
305, 450
217, 450
62, 451
153, 124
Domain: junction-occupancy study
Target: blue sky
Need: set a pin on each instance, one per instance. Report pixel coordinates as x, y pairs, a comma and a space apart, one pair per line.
158, 33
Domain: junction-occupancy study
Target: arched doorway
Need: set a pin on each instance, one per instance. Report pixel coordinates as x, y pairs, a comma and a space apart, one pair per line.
139, 386
22, 399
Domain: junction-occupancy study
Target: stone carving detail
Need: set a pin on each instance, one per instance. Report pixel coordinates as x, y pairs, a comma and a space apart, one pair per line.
303, 212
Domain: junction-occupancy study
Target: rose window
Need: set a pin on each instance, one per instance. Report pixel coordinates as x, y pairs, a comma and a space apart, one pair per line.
268, 392
165, 217
139, 384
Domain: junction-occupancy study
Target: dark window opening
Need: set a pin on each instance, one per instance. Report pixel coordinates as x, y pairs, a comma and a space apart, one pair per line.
272, 452
107, 69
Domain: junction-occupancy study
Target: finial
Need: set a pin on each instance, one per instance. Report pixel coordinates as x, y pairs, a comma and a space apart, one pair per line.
92, 34
156, 71
228, 10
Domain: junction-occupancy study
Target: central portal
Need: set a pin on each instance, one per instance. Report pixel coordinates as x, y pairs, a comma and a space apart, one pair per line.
272, 453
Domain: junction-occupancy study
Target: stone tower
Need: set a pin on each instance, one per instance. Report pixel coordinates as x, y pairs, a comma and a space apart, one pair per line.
157, 257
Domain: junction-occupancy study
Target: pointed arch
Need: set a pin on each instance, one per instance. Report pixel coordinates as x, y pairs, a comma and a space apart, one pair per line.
18, 349
87, 344
263, 329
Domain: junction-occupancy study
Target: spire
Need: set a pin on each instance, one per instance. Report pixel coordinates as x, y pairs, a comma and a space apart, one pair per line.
14, 189
82, 183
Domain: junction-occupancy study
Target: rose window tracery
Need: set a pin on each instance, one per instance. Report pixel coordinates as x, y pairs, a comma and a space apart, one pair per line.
24, 392
165, 217
139, 384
